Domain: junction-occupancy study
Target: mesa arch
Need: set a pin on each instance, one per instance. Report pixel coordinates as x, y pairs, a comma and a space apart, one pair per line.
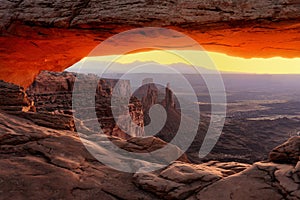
36, 36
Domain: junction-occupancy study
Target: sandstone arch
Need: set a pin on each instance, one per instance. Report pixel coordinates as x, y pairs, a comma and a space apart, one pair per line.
52, 36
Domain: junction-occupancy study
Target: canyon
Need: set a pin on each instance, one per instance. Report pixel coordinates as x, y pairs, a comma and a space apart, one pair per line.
38, 161
48, 102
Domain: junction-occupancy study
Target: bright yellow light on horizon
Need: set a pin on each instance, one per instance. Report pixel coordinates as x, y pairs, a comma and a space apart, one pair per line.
223, 62
275, 65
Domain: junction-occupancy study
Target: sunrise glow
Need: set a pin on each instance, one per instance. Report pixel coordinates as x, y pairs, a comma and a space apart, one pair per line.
223, 62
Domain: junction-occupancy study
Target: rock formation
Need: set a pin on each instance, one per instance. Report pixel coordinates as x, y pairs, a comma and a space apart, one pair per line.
13, 98
260, 181
169, 101
182, 180
52, 36
288, 152
41, 163
94, 14
149, 94
214, 180
49, 103
53, 92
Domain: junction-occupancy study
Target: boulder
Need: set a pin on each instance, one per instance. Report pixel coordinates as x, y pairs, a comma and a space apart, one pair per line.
287, 152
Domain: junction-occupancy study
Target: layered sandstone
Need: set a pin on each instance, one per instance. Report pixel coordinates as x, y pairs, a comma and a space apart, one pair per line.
13, 98
48, 102
53, 92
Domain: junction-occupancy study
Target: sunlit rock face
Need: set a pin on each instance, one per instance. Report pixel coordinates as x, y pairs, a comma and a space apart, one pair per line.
36, 35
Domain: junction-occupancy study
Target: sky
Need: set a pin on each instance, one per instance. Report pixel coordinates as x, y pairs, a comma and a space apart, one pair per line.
208, 60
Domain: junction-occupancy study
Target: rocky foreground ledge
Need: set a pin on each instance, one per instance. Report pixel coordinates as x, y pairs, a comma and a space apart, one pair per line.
43, 163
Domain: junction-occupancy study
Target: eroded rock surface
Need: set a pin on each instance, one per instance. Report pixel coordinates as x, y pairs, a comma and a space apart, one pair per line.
38, 162
215, 180
13, 98
48, 102
181, 180
52, 92
87, 14
288, 152
42, 163
260, 181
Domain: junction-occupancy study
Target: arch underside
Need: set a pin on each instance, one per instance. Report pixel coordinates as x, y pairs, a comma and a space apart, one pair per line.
64, 32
